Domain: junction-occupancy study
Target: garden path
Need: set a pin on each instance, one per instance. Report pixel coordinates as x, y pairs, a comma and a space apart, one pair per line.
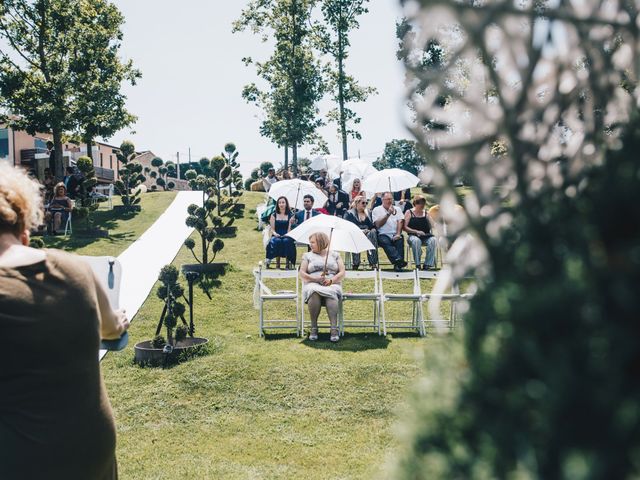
155, 248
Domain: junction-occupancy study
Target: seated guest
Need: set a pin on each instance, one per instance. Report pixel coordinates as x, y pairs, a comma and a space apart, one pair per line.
376, 201
71, 182
286, 175
279, 245
388, 221
418, 226
320, 185
48, 182
270, 179
338, 201
359, 215
59, 208
321, 272
356, 189
306, 213
55, 418
403, 199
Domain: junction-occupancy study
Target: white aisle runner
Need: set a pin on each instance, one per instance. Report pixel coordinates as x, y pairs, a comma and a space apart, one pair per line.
157, 247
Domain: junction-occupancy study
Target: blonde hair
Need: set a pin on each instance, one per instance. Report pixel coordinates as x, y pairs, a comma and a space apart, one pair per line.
20, 201
434, 212
322, 240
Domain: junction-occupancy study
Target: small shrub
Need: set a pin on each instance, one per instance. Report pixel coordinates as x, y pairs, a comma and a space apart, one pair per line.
181, 333
158, 341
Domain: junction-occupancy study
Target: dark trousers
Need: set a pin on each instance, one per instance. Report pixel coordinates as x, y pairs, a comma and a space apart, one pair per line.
393, 248
372, 255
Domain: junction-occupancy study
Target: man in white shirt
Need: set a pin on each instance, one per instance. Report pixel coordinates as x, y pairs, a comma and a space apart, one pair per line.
270, 179
388, 220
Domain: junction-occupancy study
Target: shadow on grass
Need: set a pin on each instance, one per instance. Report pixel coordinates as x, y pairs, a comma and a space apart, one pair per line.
351, 342
107, 219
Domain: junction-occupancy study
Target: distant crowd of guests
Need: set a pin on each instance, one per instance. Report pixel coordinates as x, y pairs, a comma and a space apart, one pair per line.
384, 218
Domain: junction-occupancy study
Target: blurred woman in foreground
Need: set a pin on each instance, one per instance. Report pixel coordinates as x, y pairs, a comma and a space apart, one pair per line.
55, 417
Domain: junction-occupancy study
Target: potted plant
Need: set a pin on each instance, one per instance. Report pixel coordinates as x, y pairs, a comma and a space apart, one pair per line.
180, 342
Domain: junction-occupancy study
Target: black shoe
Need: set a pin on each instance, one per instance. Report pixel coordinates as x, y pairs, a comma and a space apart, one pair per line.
402, 263
356, 267
397, 268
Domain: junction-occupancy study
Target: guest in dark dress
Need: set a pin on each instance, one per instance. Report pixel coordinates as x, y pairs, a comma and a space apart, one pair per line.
280, 245
418, 226
359, 215
55, 417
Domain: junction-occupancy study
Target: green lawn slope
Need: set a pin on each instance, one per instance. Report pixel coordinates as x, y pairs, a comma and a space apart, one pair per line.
124, 229
254, 408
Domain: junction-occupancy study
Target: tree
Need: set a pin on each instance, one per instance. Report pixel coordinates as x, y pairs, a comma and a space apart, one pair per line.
403, 154
99, 74
85, 203
264, 168
130, 177
36, 83
230, 156
544, 370
340, 18
292, 72
161, 172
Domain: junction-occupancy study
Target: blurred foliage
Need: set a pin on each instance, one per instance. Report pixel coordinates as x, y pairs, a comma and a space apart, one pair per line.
542, 383
403, 154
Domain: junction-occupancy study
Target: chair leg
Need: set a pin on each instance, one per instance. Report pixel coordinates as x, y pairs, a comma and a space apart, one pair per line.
261, 326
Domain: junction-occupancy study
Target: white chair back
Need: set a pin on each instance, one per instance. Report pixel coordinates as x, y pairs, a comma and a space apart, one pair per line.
108, 270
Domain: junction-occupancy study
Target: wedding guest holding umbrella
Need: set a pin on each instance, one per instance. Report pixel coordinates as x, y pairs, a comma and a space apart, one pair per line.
321, 272
279, 245
360, 217
55, 417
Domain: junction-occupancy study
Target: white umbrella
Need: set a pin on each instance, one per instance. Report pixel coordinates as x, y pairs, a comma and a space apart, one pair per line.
344, 236
389, 180
295, 190
330, 163
355, 168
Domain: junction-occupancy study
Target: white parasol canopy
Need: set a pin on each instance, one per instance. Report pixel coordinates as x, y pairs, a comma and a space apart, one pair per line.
331, 163
344, 236
389, 180
295, 190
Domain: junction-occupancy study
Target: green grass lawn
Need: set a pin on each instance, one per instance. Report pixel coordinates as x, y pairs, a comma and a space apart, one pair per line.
279, 407
124, 229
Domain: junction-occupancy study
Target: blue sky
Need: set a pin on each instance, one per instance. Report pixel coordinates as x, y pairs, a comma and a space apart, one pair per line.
190, 93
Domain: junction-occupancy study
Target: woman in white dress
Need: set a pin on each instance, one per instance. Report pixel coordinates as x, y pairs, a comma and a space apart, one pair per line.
320, 286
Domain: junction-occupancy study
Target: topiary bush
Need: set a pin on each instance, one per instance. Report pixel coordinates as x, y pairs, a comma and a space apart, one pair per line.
85, 203
130, 175
172, 294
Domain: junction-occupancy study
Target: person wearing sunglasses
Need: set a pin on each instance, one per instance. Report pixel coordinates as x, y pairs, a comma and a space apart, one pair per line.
360, 217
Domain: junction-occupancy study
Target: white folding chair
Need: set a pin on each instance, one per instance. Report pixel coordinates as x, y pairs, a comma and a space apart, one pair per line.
68, 226
264, 294
108, 270
416, 323
454, 296
374, 297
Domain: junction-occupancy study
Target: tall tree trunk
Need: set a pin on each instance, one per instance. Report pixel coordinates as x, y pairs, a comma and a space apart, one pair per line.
89, 140
57, 148
286, 157
341, 81
294, 159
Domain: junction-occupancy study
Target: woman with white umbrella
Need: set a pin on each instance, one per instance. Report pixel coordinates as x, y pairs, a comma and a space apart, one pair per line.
321, 272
